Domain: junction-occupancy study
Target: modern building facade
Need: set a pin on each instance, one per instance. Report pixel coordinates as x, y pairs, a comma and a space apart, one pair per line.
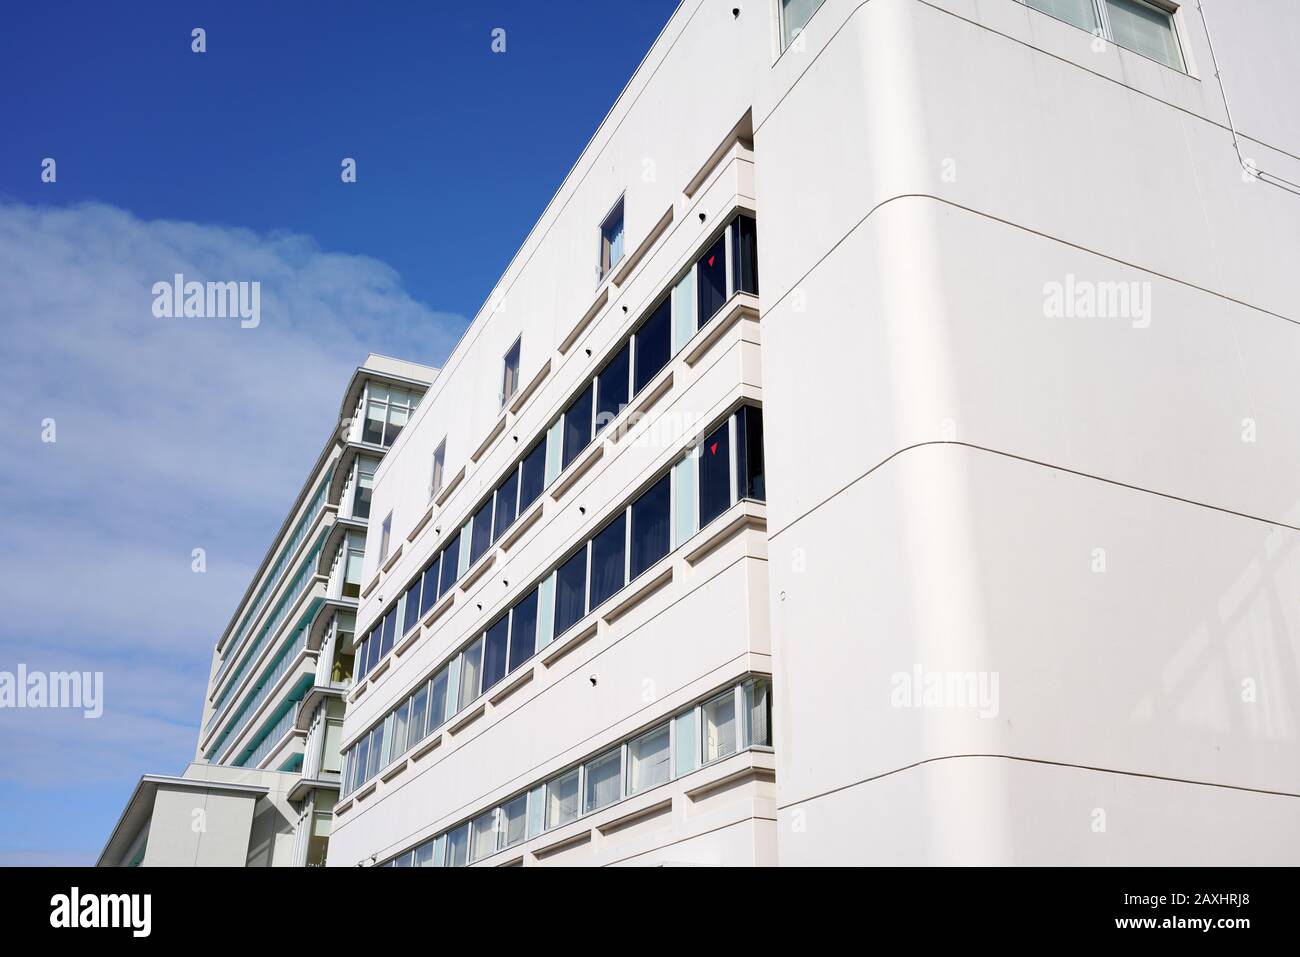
265, 775
879, 452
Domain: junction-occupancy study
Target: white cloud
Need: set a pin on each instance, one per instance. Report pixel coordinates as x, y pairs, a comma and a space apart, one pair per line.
172, 434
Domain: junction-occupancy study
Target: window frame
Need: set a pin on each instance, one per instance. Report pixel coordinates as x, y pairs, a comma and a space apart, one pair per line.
510, 374
604, 268
439, 471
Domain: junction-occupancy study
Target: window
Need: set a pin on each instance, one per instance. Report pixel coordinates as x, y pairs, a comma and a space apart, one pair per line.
711, 276
412, 614
429, 587
438, 699
687, 743
458, 847
390, 632
751, 482
400, 718
387, 411
650, 528
611, 239
611, 389
480, 536
471, 668
523, 630
385, 533
352, 572
794, 15
1145, 29
648, 760
495, 647
571, 592
607, 560
361, 767
376, 751
439, 464
423, 855
510, 375
719, 726
744, 250
603, 777
577, 426
507, 495
562, 799
419, 714
715, 474
758, 712
653, 345
483, 836
532, 476
1081, 13
514, 820
450, 557
365, 487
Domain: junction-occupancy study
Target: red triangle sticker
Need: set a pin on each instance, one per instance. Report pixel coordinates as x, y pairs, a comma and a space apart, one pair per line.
713, 449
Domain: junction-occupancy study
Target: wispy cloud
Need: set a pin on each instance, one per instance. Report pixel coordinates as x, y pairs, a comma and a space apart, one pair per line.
172, 434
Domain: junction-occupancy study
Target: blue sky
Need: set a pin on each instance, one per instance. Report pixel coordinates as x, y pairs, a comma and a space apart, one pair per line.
173, 435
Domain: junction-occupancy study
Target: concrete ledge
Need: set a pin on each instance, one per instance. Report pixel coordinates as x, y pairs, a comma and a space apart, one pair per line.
394, 771
638, 592
419, 526
474, 574
521, 525
577, 469
562, 646
529, 389
726, 529
450, 487
630, 261
592, 311
374, 583
741, 306
440, 608
491, 437
407, 642
425, 747
392, 559
473, 715
525, 676
644, 403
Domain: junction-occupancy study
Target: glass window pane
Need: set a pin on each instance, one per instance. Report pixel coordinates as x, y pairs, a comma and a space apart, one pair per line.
362, 766
758, 703
653, 345
483, 836
750, 469
687, 743
577, 426
373, 429
458, 847
648, 760
514, 820
412, 608
396, 421
471, 666
571, 592
450, 565
523, 630
1145, 30
715, 474
424, 855
399, 729
711, 278
651, 519
365, 490
507, 496
390, 631
744, 246
603, 776
376, 748
438, 699
719, 727
510, 374
532, 476
684, 321
481, 532
429, 588
611, 389
607, 560
419, 715
1081, 13
494, 652
562, 799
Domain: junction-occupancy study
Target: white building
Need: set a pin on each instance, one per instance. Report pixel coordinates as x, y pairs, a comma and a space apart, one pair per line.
266, 773
881, 451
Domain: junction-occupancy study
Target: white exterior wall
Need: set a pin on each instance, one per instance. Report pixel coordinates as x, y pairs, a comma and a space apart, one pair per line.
944, 460
950, 470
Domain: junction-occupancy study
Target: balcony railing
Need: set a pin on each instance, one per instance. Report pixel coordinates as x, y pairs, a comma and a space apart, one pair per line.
270, 738
283, 662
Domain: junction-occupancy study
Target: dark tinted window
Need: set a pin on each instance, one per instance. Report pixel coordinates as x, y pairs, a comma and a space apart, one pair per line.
450, 565
532, 476
494, 652
429, 593
650, 525
577, 426
607, 555
715, 475
749, 453
523, 630
390, 630
611, 387
653, 344
438, 699
507, 495
711, 277
571, 592
412, 614
744, 246
480, 536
